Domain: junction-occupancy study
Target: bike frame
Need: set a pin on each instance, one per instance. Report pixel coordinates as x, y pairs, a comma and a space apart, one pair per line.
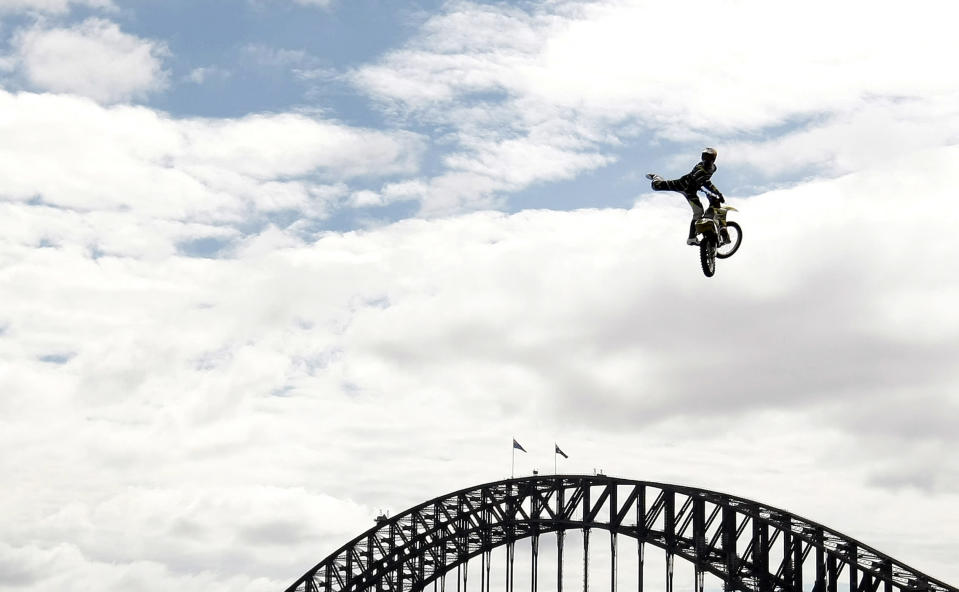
714, 220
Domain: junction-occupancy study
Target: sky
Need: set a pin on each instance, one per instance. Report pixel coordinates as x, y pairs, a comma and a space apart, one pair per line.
271, 267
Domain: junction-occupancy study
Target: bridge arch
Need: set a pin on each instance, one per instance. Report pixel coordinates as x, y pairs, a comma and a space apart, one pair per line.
750, 546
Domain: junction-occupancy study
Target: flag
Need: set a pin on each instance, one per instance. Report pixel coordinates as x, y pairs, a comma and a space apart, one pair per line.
517, 445
558, 451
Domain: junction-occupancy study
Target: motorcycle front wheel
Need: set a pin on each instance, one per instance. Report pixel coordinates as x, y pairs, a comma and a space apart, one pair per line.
735, 239
707, 255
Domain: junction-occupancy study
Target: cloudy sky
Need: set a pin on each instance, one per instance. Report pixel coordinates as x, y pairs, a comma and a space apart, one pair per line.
270, 267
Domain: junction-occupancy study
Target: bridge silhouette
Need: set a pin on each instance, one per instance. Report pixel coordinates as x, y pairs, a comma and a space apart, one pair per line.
748, 545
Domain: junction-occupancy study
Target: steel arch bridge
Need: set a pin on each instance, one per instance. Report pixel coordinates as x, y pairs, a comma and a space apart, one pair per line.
750, 546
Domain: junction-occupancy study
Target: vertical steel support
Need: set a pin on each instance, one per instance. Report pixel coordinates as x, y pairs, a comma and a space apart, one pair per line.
586, 508
613, 511
612, 559
788, 554
853, 568
641, 556
640, 535
487, 564
369, 551
483, 565
509, 566
669, 572
510, 533
466, 573
797, 564
348, 576
463, 527
699, 540
487, 540
761, 552
535, 576
886, 571
534, 512
820, 585
560, 536
420, 557
586, 560
399, 569
670, 530
832, 573
729, 547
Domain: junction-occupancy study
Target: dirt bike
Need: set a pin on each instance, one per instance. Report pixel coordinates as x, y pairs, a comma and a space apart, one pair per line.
721, 238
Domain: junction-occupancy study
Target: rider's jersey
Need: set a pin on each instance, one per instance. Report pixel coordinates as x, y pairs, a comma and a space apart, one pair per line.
699, 177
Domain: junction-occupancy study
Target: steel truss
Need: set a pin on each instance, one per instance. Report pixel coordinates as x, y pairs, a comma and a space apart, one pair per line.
750, 546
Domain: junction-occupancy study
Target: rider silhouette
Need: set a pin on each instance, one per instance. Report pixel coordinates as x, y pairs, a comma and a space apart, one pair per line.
689, 184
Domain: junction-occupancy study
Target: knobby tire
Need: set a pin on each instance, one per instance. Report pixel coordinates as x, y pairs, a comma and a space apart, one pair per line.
707, 255
736, 239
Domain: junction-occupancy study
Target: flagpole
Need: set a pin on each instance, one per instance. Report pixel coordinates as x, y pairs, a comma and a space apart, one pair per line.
557, 452
512, 469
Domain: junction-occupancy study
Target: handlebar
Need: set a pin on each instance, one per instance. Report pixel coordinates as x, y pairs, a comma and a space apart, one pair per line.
710, 195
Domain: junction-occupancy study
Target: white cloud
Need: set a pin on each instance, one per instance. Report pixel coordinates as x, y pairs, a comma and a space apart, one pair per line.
266, 4
876, 132
94, 59
478, 176
205, 73
71, 153
366, 198
288, 145
501, 81
265, 55
188, 422
226, 423
301, 64
615, 60
51, 6
320, 3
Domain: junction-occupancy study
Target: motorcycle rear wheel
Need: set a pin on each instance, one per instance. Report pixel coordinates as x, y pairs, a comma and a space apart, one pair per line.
707, 255
735, 239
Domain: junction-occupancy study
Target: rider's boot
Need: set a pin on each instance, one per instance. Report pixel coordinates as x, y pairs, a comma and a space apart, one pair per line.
654, 177
692, 241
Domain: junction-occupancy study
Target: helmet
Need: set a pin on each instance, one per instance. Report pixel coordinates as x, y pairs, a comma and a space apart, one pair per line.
709, 154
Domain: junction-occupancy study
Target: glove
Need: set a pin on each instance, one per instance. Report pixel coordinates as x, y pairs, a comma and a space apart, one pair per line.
721, 198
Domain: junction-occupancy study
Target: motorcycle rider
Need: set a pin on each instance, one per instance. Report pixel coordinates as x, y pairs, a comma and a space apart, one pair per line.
689, 184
